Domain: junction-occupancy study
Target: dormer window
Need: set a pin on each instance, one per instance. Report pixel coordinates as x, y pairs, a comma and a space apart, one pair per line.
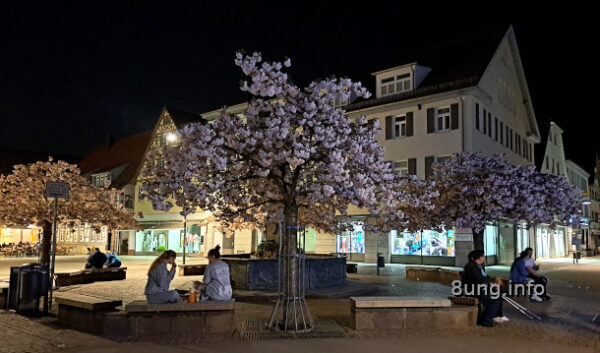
395, 84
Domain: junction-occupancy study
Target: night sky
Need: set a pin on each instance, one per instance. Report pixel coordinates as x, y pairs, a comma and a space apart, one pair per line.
73, 72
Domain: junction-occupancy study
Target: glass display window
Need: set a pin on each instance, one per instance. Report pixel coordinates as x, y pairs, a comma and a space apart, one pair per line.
426, 243
490, 238
352, 241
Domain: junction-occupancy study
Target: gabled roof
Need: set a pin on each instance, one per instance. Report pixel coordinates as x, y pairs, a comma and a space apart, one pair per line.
128, 152
455, 64
181, 117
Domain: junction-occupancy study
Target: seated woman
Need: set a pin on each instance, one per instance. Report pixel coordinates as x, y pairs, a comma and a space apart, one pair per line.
159, 278
216, 284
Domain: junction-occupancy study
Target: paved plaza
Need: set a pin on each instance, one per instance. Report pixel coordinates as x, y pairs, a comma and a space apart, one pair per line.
567, 319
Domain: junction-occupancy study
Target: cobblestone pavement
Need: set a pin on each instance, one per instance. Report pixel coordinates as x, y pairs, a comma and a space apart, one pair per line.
575, 291
21, 334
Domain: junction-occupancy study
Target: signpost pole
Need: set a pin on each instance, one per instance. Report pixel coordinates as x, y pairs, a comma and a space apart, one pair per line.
56, 190
52, 261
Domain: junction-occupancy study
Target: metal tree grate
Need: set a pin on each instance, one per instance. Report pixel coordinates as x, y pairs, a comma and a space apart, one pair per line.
257, 330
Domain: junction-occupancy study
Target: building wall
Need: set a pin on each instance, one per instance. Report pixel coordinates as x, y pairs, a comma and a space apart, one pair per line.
500, 93
554, 161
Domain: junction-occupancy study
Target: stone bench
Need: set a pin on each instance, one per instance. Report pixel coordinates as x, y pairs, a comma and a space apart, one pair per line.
407, 313
192, 270
140, 321
84, 312
431, 274
90, 275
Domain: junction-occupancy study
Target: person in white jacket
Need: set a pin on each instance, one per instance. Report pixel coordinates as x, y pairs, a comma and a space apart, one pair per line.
216, 284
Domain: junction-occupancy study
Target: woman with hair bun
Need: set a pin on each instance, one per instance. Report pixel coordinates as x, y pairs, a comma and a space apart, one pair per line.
216, 284
159, 278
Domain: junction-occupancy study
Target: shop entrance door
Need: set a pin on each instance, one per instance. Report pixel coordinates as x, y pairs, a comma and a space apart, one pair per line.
559, 241
542, 243
506, 243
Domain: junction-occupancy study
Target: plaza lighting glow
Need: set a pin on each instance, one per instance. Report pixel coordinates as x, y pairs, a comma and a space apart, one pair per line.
171, 137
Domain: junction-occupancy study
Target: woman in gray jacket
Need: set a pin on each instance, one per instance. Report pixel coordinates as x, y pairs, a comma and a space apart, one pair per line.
159, 278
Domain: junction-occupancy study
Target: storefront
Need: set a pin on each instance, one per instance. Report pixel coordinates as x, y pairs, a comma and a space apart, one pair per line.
424, 247
167, 236
551, 242
352, 242
16, 235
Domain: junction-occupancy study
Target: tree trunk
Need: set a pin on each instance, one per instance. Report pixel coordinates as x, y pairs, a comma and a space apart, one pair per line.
291, 313
46, 243
478, 240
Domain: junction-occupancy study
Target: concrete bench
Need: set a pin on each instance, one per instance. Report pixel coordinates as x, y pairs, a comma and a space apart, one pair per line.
84, 312
70, 278
192, 270
140, 321
431, 274
406, 313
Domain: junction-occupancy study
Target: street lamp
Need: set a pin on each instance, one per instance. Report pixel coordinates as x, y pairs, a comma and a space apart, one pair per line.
171, 137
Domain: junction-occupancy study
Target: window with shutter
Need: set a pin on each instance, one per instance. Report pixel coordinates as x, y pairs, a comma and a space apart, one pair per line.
442, 119
489, 125
501, 134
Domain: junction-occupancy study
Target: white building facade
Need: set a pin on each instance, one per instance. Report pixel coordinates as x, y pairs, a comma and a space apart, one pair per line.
430, 110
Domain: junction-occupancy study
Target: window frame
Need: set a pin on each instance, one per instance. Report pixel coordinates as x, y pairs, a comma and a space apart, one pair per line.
399, 124
446, 119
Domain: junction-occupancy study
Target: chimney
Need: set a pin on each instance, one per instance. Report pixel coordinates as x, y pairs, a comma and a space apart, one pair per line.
110, 140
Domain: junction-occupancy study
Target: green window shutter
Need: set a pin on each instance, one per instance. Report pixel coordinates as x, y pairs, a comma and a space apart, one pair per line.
454, 116
388, 127
412, 166
430, 120
428, 169
409, 124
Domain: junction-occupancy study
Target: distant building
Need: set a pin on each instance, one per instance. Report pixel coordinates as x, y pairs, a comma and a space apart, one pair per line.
112, 164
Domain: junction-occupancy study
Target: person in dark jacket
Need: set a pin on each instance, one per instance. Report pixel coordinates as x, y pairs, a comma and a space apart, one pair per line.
96, 259
478, 284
